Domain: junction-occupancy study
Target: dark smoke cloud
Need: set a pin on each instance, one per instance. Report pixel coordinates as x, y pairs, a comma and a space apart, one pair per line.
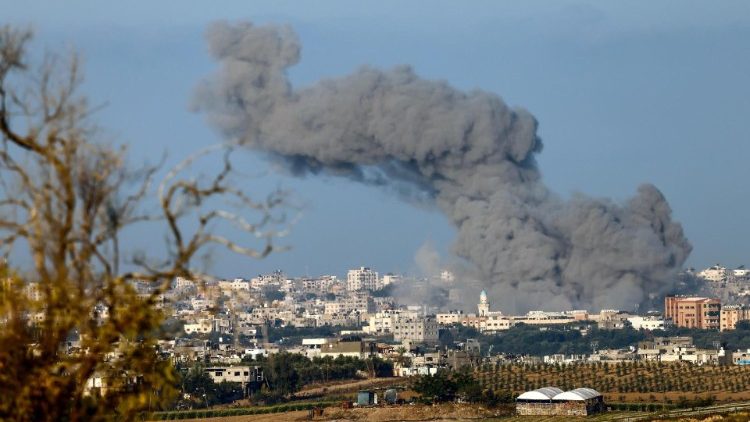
468, 153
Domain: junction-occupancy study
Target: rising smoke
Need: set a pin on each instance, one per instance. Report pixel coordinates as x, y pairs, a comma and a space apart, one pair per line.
467, 153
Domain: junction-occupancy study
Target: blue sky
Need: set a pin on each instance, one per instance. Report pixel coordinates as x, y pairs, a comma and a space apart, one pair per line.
625, 93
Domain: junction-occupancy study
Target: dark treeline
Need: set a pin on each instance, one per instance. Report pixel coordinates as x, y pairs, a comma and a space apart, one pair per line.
285, 373
568, 339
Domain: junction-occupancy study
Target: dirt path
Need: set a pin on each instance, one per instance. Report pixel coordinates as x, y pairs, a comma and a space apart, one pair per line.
349, 386
444, 412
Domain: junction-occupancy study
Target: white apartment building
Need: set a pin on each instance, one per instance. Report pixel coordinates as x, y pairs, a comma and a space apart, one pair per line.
360, 303
715, 273
383, 322
239, 374
320, 284
234, 285
312, 346
452, 317
362, 278
202, 326
391, 279
647, 323
200, 304
494, 322
741, 271
274, 278
417, 330
182, 283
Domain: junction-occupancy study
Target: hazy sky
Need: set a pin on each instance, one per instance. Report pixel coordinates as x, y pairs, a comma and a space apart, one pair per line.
625, 93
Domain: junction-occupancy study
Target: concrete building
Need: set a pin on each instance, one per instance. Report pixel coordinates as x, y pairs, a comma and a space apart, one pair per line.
320, 284
648, 323
202, 326
182, 283
349, 346
494, 323
450, 318
234, 285
417, 330
239, 374
389, 279
741, 357
730, 315
741, 272
716, 273
383, 322
362, 278
545, 318
693, 312
355, 302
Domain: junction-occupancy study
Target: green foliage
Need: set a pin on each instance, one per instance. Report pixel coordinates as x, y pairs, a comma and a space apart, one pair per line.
448, 386
204, 391
287, 372
294, 335
565, 339
281, 372
435, 388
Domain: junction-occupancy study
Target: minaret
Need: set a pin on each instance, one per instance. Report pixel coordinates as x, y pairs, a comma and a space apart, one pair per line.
484, 304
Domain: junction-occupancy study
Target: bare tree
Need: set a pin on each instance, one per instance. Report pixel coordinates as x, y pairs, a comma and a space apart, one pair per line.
65, 200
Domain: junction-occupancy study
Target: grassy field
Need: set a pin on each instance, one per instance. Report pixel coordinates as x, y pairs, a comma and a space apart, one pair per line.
650, 382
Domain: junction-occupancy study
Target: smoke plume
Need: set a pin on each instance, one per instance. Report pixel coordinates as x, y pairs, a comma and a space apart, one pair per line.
467, 153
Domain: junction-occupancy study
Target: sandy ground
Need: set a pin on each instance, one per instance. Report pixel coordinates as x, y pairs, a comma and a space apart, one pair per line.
452, 412
348, 386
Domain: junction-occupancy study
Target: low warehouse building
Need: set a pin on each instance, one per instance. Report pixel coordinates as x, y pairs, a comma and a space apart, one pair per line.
536, 402
551, 401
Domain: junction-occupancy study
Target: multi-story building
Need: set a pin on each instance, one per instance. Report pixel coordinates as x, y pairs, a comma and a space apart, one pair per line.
693, 312
714, 273
416, 330
355, 302
732, 314
362, 278
235, 374
275, 278
201, 326
384, 321
449, 318
182, 283
648, 323
319, 284
495, 322
234, 285
348, 346
391, 279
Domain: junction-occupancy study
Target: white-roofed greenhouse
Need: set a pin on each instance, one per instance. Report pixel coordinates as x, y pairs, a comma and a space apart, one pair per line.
551, 401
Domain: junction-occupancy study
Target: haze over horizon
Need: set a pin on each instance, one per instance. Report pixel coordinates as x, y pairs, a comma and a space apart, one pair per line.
621, 97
